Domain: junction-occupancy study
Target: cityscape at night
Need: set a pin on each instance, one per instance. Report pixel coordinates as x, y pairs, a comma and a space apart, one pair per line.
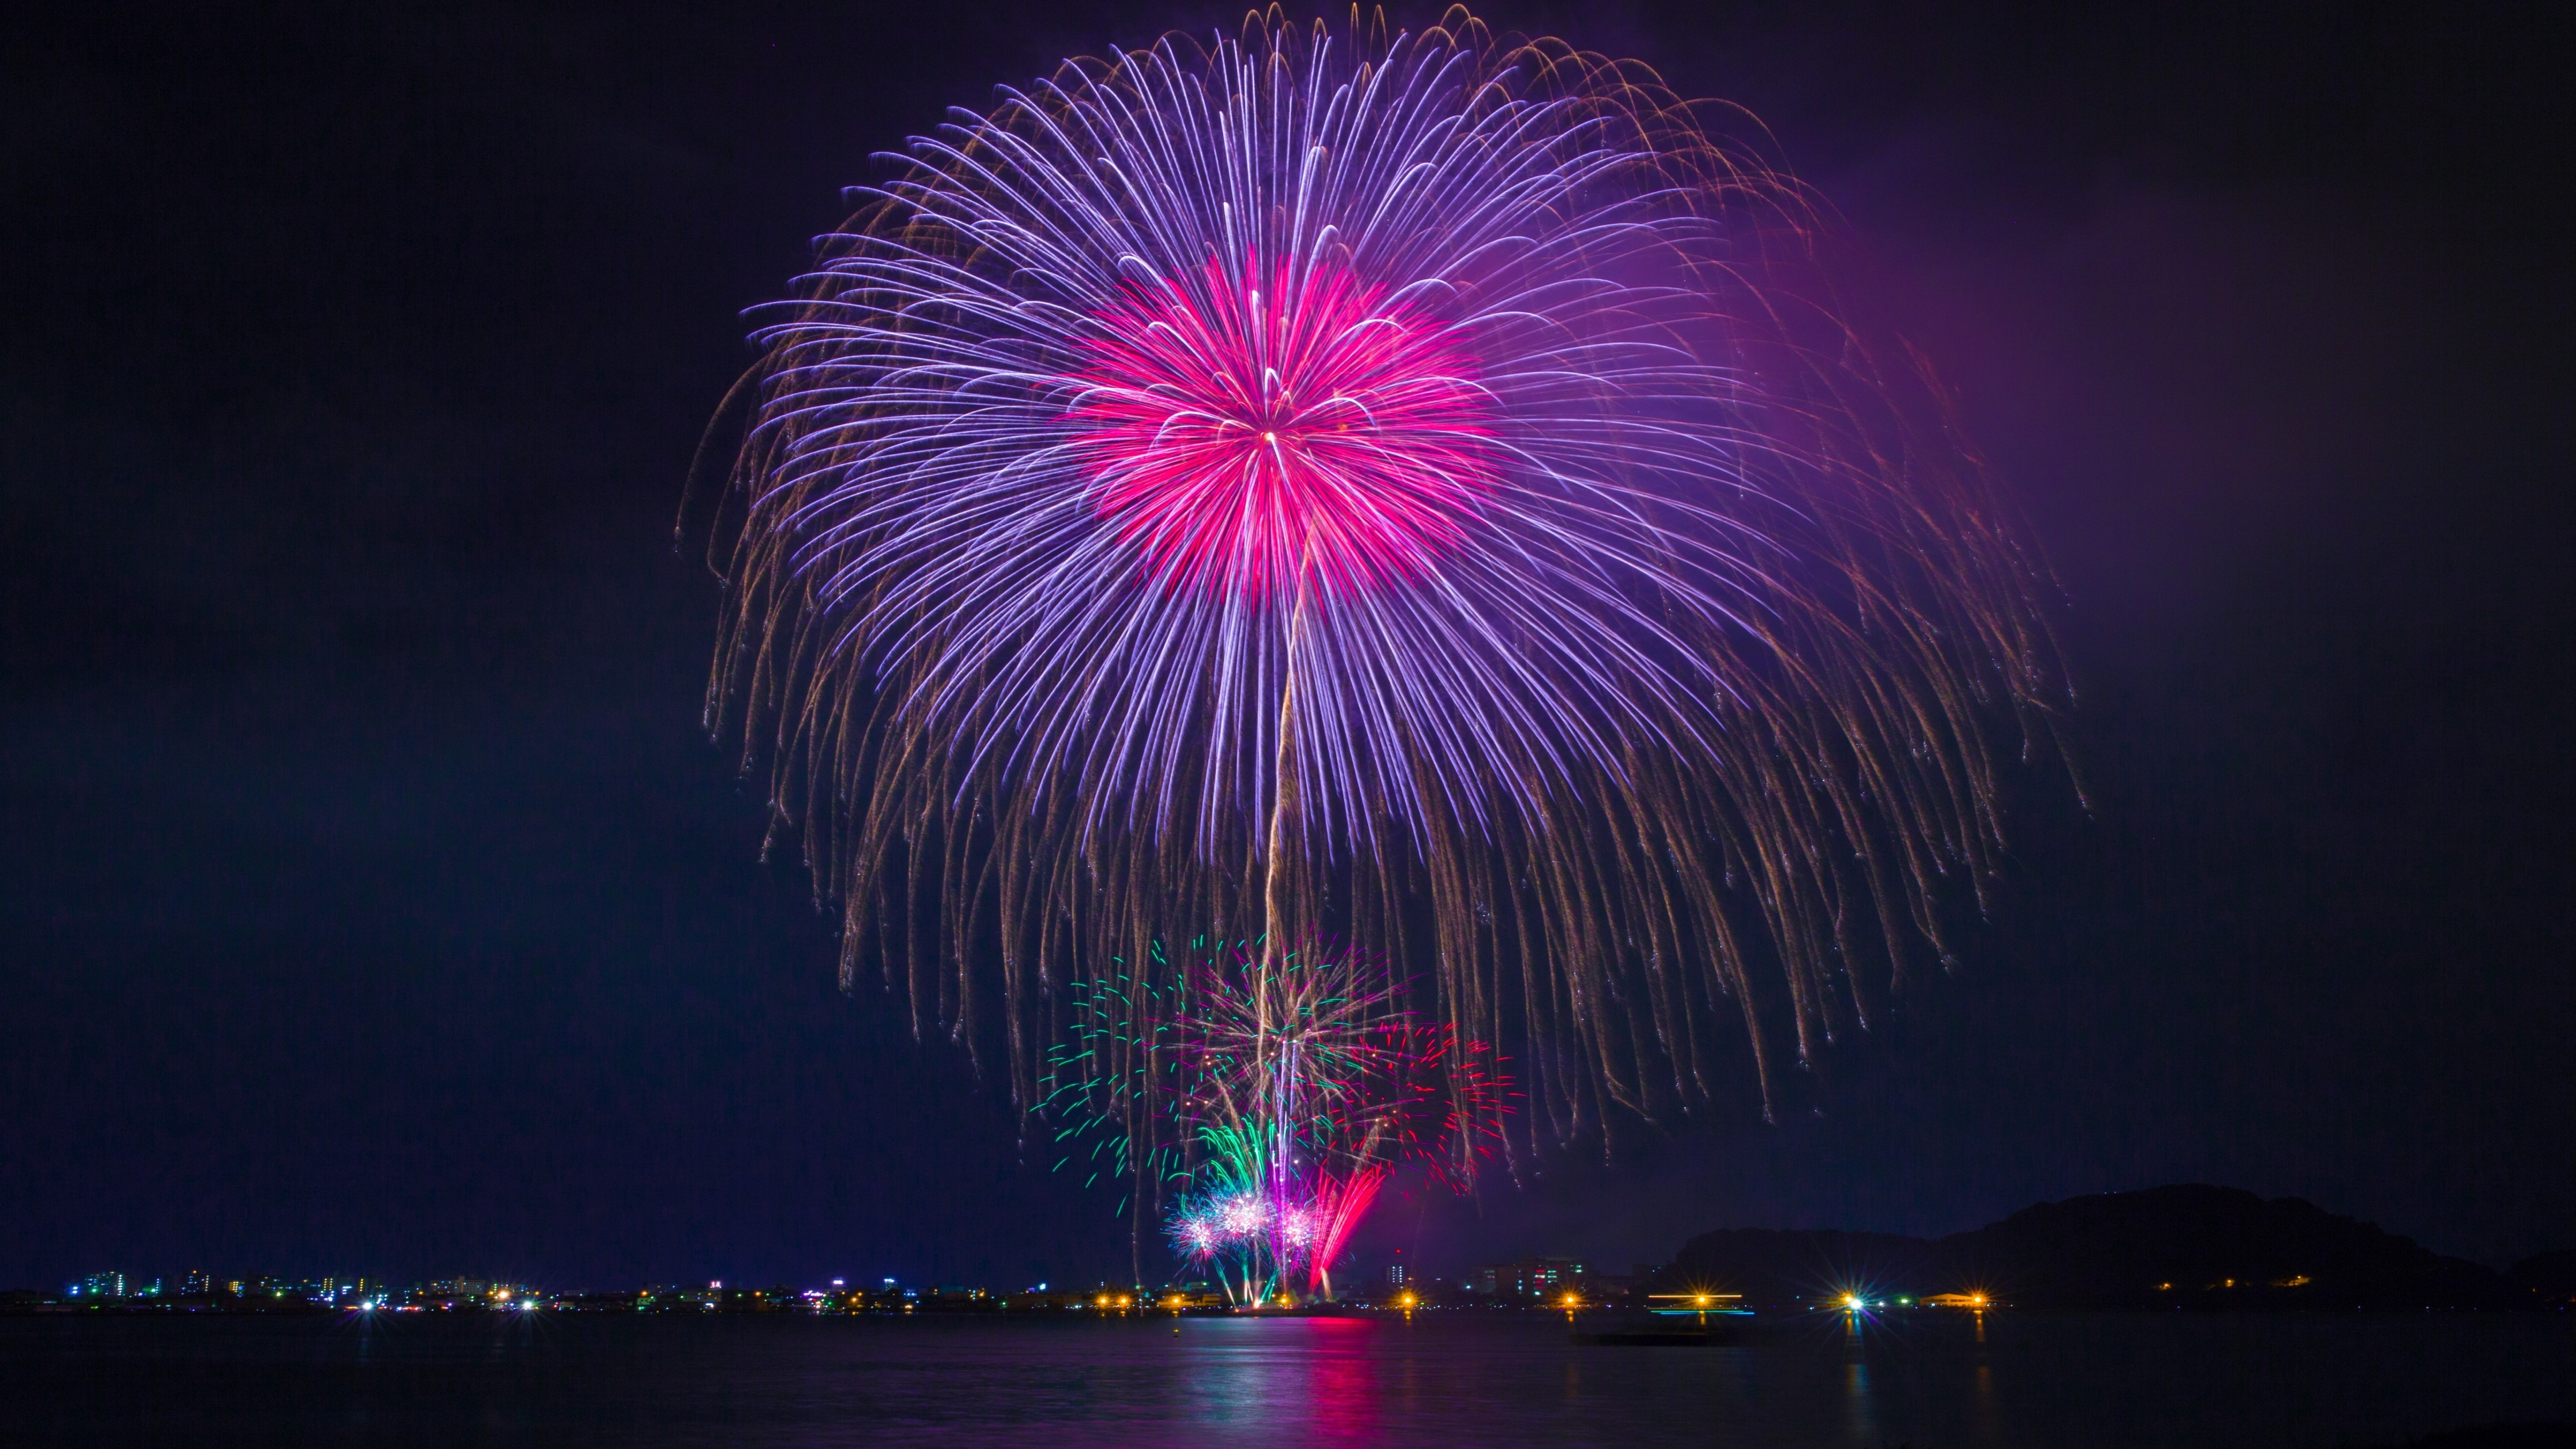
2182, 1247
1550, 1284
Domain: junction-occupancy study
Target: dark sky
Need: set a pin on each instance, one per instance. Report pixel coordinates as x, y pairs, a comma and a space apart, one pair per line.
371, 901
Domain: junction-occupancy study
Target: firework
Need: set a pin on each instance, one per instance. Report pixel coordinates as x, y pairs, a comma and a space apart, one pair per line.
1415, 487
1270, 1091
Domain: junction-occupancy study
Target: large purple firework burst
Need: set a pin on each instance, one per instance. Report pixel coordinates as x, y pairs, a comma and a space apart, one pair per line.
1417, 487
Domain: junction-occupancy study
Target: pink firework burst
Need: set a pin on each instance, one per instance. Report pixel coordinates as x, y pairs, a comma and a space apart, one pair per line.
1246, 437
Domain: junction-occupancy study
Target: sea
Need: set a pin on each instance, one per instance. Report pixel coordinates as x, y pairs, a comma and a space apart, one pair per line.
1928, 1380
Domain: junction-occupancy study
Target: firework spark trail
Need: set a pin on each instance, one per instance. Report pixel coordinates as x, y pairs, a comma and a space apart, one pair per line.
1231, 1049
1419, 487
1287, 1084
1224, 442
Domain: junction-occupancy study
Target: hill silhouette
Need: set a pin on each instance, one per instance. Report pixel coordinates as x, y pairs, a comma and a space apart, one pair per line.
2185, 1246
2546, 1281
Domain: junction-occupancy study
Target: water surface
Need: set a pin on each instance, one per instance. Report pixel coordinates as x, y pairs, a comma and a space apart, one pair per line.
1928, 1381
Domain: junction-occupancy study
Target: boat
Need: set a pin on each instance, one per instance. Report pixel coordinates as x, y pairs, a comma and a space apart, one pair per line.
1692, 1327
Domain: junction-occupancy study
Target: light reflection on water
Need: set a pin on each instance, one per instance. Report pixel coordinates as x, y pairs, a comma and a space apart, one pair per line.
1831, 1380
1862, 1427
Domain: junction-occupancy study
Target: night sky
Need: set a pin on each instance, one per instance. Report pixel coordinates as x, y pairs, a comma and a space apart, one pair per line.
372, 901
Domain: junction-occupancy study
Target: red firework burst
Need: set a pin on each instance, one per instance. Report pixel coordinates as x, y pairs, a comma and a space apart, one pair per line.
1246, 438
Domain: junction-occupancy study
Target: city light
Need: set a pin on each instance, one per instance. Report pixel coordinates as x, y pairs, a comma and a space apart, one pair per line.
373, 1298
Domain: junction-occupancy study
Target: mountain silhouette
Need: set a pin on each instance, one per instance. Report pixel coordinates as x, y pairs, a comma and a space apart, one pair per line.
2190, 1245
